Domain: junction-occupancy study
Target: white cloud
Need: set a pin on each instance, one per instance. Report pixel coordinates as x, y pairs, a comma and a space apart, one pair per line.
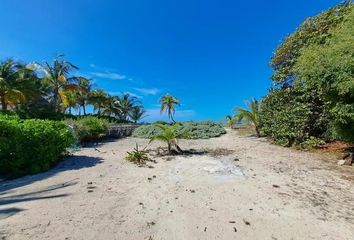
148, 91
120, 93
108, 75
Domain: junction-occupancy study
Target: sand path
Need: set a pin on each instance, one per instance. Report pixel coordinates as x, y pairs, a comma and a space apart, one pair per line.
269, 193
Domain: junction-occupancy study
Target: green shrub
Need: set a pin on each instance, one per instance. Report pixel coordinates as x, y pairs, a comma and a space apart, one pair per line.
8, 116
90, 128
203, 130
31, 146
196, 130
291, 116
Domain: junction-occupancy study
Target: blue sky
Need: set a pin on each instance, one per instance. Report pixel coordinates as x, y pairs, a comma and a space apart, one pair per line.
212, 55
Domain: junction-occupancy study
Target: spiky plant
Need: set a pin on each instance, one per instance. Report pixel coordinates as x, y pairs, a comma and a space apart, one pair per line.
137, 156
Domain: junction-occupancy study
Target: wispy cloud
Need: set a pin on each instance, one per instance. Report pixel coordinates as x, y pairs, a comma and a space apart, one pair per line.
120, 93
108, 75
148, 91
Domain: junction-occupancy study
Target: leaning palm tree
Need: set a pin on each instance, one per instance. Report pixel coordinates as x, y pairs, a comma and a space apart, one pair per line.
168, 103
16, 83
231, 121
98, 98
57, 78
170, 135
250, 116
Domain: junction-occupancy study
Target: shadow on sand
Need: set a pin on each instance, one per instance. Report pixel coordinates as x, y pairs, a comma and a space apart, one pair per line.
69, 164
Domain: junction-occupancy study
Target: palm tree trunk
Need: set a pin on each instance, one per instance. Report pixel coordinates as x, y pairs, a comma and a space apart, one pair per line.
169, 148
257, 131
70, 110
84, 108
3, 103
99, 110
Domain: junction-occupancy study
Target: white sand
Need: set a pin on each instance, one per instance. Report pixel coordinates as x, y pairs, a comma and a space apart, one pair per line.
197, 197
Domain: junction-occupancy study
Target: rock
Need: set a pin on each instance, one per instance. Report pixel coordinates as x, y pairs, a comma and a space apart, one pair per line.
341, 162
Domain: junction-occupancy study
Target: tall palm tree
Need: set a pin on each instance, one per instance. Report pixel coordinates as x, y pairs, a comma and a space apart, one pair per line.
137, 113
98, 98
83, 91
168, 104
126, 103
57, 78
16, 83
250, 116
110, 107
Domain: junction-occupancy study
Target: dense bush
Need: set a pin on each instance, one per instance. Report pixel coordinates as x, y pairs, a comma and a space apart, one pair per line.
196, 130
31, 146
290, 117
313, 96
90, 128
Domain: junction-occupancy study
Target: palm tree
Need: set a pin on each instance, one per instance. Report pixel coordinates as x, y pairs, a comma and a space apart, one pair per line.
16, 83
250, 116
98, 98
82, 92
126, 103
170, 135
69, 100
57, 78
137, 113
168, 103
110, 107
231, 121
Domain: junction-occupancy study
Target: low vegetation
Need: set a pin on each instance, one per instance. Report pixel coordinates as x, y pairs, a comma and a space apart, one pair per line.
90, 128
170, 135
197, 130
137, 156
31, 146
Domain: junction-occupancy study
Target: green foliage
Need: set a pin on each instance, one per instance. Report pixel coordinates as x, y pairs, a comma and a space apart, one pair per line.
250, 116
31, 146
168, 104
289, 116
313, 31
7, 115
146, 131
170, 134
314, 77
330, 67
197, 130
137, 156
90, 128
203, 130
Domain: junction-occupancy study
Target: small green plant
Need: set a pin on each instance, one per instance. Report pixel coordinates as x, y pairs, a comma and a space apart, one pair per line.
137, 156
170, 135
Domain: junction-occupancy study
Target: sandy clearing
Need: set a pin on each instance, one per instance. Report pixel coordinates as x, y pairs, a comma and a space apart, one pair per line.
270, 193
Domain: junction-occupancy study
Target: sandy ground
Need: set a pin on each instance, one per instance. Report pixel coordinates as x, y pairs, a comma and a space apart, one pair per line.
257, 191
